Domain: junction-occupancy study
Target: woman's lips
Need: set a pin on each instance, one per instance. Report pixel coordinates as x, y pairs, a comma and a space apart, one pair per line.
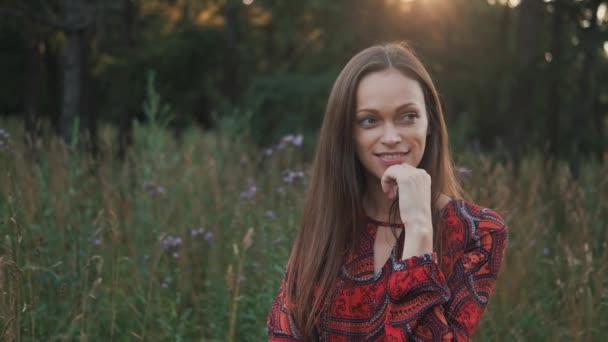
389, 159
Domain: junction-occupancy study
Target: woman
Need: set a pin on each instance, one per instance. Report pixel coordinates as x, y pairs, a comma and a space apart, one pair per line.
387, 249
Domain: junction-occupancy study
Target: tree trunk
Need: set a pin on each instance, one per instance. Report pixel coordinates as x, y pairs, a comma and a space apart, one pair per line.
231, 87
88, 103
529, 32
125, 125
590, 40
71, 67
553, 116
52, 62
33, 91
528, 52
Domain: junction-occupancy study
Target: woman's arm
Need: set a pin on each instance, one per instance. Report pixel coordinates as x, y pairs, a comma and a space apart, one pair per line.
424, 305
279, 323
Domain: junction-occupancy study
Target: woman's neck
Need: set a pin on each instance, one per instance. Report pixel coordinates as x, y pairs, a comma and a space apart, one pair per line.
376, 203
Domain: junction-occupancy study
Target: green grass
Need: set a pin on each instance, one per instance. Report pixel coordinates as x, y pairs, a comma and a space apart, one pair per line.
82, 255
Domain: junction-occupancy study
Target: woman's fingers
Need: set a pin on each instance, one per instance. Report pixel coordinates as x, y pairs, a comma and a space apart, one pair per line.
394, 175
389, 182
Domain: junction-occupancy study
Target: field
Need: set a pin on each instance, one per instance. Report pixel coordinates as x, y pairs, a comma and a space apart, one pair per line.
187, 239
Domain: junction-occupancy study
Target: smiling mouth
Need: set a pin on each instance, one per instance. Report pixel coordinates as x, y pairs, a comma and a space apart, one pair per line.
392, 158
392, 155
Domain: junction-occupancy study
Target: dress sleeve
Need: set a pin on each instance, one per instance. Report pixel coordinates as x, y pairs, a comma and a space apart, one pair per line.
426, 305
279, 323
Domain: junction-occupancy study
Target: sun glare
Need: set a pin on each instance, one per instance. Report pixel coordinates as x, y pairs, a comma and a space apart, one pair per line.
514, 3
405, 5
601, 12
510, 3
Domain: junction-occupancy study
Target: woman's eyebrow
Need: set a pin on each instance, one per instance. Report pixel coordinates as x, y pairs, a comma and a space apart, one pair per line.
404, 106
399, 108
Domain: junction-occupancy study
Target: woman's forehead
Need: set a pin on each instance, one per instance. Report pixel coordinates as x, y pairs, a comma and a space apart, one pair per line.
388, 88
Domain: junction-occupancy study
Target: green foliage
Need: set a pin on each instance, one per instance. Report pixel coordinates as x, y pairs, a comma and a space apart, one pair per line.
12, 58
287, 102
187, 66
235, 123
519, 73
89, 249
157, 113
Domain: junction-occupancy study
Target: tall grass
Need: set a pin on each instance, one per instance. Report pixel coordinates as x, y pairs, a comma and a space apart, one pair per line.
188, 240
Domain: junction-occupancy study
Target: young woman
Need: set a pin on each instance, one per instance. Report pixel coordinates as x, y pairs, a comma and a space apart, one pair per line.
388, 249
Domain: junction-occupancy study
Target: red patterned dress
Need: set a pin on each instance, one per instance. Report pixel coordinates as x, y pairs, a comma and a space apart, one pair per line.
412, 299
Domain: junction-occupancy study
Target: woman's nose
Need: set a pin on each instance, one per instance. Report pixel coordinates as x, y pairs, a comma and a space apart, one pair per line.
390, 136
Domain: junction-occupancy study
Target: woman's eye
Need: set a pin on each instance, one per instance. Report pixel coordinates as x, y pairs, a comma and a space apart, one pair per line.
409, 116
367, 121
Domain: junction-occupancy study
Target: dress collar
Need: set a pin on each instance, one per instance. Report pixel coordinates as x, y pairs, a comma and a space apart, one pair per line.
377, 223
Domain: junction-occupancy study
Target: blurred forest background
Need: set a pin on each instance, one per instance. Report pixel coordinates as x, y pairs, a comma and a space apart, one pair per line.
154, 155
515, 75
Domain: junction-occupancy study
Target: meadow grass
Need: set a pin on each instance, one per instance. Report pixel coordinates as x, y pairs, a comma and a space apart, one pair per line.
186, 240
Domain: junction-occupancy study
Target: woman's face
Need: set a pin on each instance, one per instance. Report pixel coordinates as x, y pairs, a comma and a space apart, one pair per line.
391, 123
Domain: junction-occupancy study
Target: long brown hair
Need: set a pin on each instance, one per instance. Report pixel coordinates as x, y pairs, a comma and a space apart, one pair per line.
333, 208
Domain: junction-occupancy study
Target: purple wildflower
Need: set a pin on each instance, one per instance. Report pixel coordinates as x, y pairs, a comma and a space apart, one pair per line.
171, 245
293, 176
4, 139
268, 152
97, 242
464, 171
251, 190
197, 232
288, 138
271, 215
291, 139
208, 236
546, 251
298, 140
153, 189
149, 187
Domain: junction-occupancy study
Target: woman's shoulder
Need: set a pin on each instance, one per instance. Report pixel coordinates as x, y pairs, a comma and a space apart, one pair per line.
472, 219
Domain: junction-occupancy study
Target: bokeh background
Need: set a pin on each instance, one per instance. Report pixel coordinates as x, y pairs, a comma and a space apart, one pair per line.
154, 155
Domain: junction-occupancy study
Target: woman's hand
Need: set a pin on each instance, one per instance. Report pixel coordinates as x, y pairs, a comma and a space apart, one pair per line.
413, 188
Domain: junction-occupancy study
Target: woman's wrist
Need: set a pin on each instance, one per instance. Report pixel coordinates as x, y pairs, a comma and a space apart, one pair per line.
418, 241
417, 220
